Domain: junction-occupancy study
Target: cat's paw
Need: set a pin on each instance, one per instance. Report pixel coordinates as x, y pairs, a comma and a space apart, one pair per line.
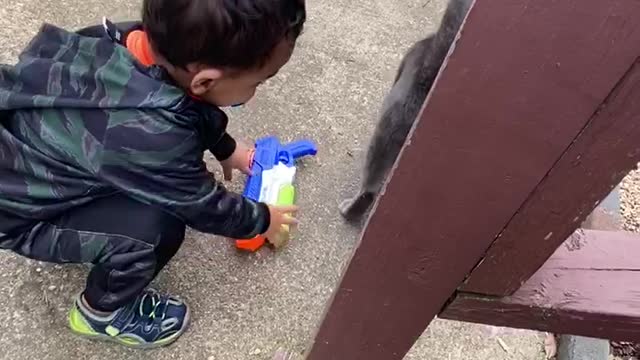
353, 209
346, 208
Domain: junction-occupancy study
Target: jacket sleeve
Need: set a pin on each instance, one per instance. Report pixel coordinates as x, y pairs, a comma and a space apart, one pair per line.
163, 166
212, 127
224, 148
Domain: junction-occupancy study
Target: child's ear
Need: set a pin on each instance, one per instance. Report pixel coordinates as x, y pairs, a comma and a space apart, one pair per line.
204, 80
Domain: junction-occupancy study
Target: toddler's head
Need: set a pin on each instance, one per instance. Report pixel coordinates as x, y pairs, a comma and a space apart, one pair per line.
222, 50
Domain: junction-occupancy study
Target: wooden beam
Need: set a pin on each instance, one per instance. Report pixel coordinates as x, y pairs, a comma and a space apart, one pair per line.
603, 153
588, 287
520, 84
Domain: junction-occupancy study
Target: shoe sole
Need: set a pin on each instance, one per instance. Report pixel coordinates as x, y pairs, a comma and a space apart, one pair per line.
158, 344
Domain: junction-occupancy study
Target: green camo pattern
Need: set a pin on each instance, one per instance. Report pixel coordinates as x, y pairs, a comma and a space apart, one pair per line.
80, 118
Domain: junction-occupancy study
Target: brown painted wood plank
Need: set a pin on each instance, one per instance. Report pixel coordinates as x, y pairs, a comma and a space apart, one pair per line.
522, 82
606, 150
598, 250
589, 287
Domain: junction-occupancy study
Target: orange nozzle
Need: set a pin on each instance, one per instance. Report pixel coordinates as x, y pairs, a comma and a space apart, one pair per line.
251, 244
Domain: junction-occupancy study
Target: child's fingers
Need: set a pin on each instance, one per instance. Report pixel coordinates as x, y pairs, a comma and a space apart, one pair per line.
289, 220
247, 171
246, 168
286, 208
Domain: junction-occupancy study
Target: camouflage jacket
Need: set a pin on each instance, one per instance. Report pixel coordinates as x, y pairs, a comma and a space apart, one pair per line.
80, 118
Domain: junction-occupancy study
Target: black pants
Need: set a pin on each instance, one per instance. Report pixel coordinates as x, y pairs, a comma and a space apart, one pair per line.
129, 243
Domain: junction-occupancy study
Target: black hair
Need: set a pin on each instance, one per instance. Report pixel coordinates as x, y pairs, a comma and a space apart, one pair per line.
236, 34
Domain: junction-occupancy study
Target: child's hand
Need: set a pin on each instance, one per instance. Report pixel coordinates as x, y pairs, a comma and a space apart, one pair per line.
239, 160
280, 215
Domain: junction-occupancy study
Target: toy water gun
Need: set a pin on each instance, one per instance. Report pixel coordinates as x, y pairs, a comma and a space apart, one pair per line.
273, 170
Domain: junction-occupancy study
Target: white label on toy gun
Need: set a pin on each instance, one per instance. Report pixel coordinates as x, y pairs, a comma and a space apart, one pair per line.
273, 180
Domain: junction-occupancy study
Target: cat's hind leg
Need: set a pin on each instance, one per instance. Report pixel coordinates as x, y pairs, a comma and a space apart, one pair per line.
381, 156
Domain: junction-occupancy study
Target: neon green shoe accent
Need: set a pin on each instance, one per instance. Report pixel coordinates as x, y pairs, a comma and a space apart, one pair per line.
128, 341
111, 331
79, 324
168, 340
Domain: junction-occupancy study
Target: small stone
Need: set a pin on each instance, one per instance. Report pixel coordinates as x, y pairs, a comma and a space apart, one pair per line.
256, 352
38, 270
52, 287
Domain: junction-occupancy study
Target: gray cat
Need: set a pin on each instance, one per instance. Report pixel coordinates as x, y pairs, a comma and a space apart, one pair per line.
401, 106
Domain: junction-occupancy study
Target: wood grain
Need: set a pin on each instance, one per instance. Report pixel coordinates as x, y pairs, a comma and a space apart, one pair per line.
600, 157
589, 287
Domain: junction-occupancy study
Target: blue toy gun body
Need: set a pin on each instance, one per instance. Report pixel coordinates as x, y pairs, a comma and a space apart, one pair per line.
273, 171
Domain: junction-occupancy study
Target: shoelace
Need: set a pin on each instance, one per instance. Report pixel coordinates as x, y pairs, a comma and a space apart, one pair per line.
158, 306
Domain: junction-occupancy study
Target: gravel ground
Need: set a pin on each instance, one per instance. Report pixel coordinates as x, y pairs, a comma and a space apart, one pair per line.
630, 201
630, 209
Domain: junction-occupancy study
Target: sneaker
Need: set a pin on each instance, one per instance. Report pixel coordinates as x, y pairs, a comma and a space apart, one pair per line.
151, 321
